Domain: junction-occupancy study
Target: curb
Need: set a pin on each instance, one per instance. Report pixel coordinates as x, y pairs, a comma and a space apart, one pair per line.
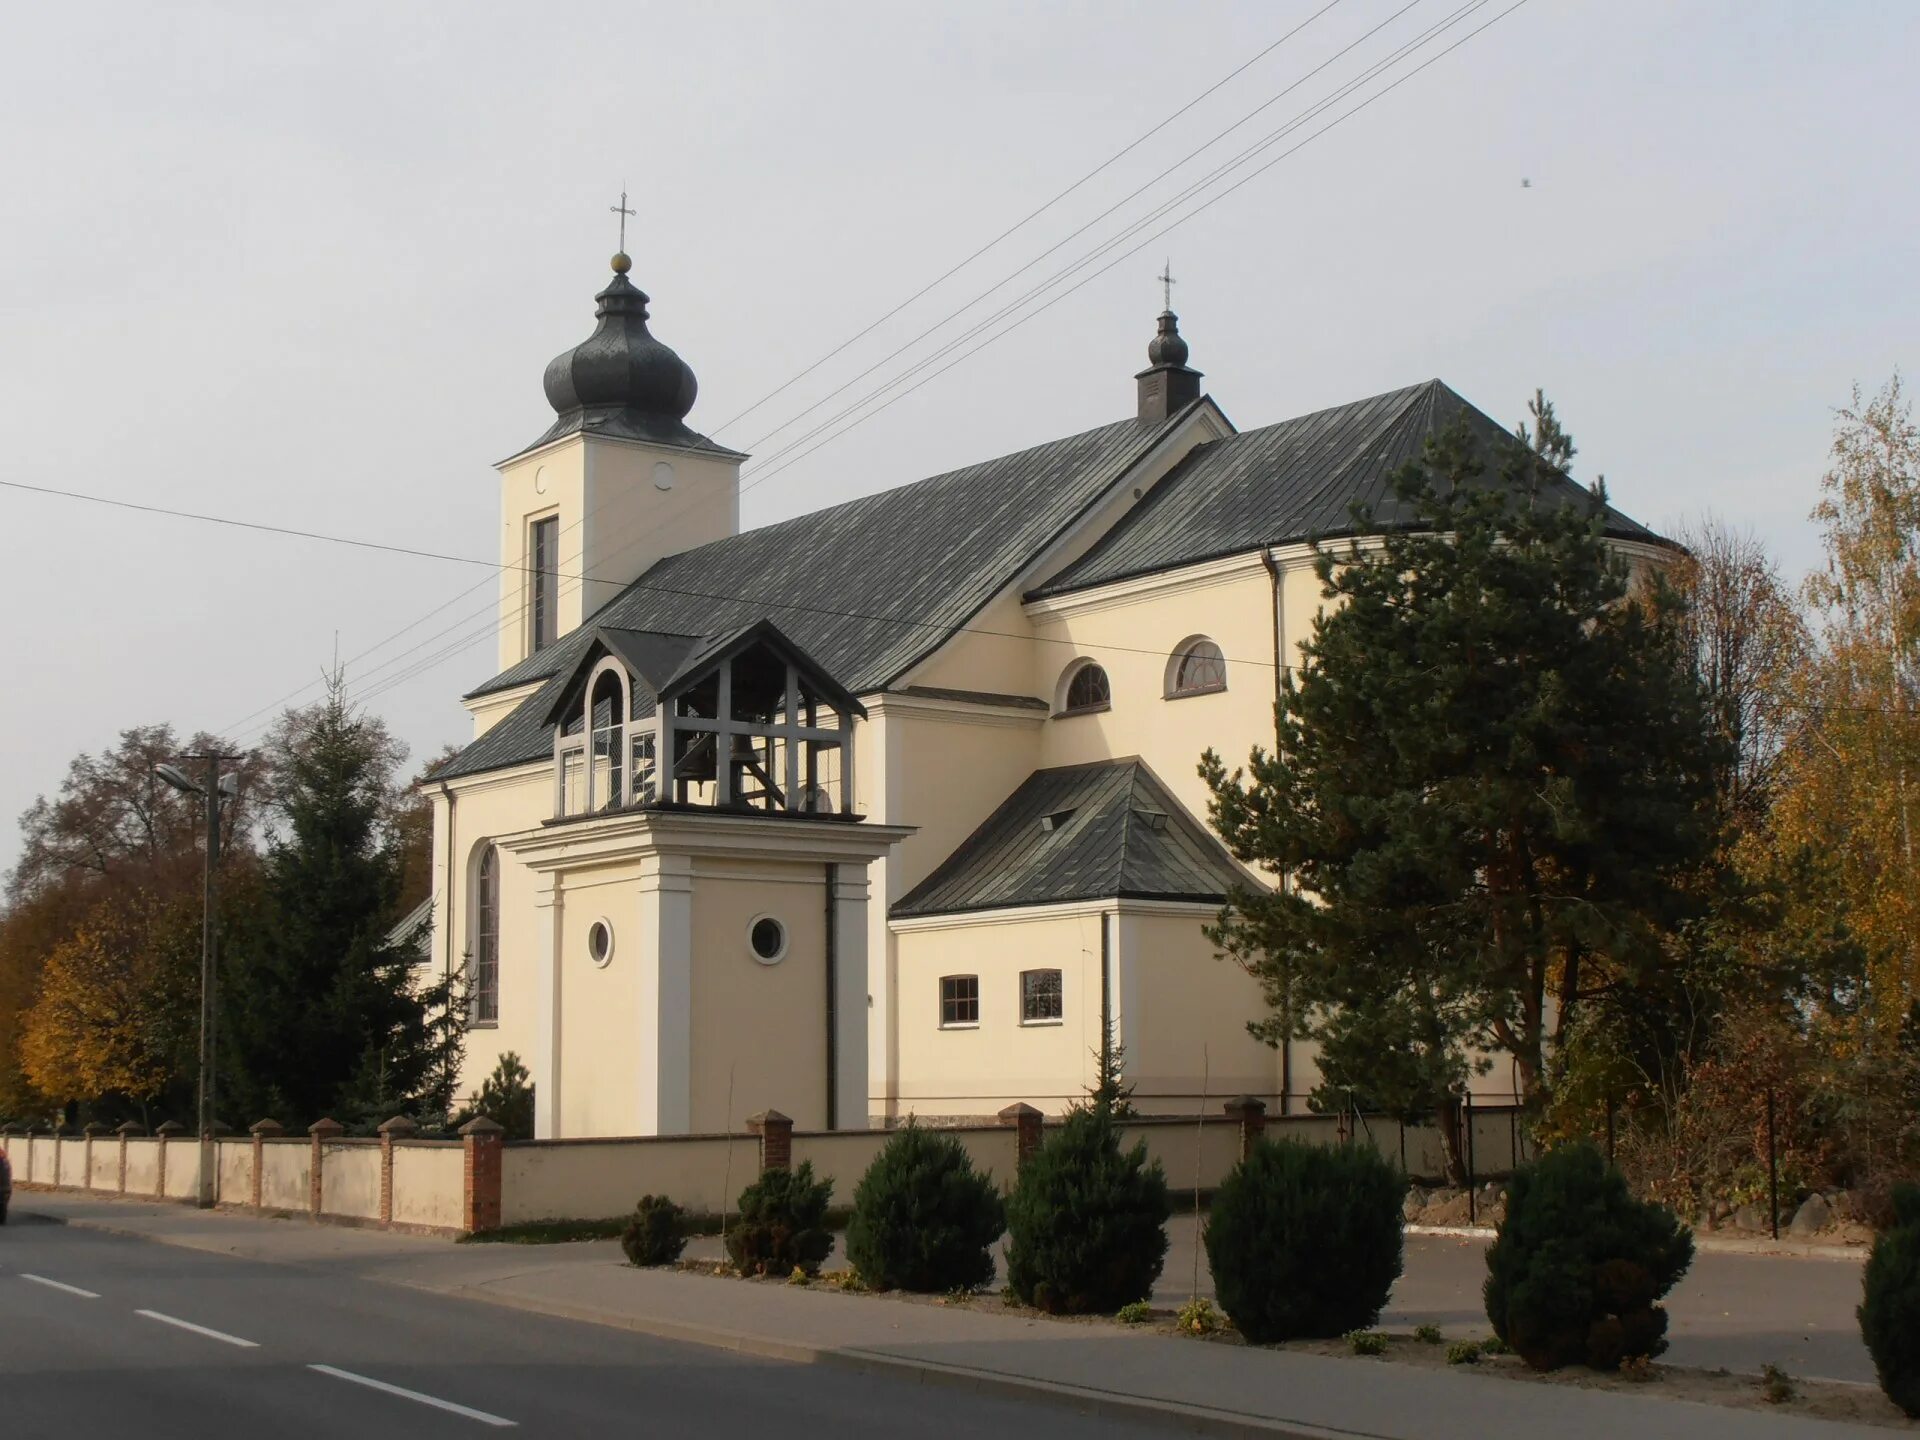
1106, 1404
1758, 1245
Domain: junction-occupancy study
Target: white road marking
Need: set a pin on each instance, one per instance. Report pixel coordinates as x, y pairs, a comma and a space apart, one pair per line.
199, 1329
482, 1416
59, 1285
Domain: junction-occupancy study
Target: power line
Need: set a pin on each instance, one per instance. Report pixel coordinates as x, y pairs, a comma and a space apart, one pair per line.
1030, 216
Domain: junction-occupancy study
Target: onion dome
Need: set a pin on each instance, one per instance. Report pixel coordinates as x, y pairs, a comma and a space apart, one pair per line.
620, 381
1166, 347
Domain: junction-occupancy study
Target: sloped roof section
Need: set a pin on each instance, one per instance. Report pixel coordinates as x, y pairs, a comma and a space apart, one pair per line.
1298, 480
866, 588
1081, 832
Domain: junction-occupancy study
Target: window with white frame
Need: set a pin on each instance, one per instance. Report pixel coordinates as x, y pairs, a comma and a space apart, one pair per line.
1196, 668
959, 1000
1040, 997
486, 939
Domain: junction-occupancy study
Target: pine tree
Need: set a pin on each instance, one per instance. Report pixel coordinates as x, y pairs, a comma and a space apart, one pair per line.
1111, 1094
1490, 786
322, 1011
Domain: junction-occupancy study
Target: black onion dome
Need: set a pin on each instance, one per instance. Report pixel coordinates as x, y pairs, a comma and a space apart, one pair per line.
1166, 347
621, 364
622, 382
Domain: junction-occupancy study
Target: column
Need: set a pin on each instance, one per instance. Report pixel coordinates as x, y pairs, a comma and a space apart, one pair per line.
850, 1014
663, 1040
549, 911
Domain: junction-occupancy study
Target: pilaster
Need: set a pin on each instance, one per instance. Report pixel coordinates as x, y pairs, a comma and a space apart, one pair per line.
663, 1042
850, 1019
549, 912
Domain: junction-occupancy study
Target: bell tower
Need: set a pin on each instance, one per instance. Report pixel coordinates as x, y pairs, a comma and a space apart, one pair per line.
617, 482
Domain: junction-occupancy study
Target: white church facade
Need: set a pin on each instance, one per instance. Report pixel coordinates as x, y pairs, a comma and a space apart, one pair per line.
891, 808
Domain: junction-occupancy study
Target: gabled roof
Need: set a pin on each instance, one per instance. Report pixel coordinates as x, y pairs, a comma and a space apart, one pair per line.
650, 655
1298, 480
866, 588
1081, 832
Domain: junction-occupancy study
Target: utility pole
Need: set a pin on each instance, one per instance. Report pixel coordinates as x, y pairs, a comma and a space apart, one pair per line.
212, 791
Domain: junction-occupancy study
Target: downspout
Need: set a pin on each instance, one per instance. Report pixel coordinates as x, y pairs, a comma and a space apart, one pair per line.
447, 888
833, 1004
1279, 682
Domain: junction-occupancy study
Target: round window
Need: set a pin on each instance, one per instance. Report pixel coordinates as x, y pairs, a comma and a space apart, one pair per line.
768, 937
662, 475
600, 942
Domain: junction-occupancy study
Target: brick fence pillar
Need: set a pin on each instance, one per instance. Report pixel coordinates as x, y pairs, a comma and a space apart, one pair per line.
484, 1140
262, 1131
166, 1132
1251, 1116
776, 1139
398, 1128
128, 1129
1027, 1120
320, 1132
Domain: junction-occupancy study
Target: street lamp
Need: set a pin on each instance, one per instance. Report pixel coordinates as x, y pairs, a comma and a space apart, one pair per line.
215, 788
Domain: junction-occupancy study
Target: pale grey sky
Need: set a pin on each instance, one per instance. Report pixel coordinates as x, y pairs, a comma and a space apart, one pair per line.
305, 266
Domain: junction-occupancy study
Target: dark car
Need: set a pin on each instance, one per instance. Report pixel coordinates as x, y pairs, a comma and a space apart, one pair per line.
6, 1184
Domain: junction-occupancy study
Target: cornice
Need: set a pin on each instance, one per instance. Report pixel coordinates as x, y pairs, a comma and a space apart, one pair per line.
1202, 576
638, 834
1068, 910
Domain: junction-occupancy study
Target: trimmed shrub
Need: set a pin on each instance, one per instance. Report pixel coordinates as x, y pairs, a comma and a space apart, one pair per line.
1577, 1269
656, 1234
923, 1218
1890, 1310
782, 1225
1305, 1240
1087, 1222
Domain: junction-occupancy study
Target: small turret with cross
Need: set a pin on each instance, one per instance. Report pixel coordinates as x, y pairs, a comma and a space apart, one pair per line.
1168, 385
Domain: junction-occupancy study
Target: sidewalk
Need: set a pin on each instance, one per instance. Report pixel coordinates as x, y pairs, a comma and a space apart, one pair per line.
1196, 1387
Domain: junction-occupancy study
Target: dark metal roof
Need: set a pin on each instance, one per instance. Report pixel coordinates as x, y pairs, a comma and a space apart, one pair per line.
1298, 480
976, 697
866, 588
1117, 833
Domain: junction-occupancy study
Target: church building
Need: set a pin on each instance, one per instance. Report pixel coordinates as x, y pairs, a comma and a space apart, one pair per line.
891, 809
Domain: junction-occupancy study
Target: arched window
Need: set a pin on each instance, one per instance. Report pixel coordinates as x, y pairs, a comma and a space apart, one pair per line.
609, 716
1087, 689
1196, 668
485, 946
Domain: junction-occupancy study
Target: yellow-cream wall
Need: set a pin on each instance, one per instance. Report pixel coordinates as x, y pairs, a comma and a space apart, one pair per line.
759, 1030
980, 1071
1184, 1019
600, 1007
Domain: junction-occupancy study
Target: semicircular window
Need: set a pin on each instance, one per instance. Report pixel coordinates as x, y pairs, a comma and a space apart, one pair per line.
1087, 690
1198, 669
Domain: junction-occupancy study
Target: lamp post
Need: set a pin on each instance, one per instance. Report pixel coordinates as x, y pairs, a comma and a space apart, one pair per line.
215, 788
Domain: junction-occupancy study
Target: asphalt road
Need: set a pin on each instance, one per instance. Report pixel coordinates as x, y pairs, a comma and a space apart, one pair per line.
101, 1335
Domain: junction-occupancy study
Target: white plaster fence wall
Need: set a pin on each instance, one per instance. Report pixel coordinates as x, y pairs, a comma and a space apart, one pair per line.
233, 1172
350, 1179
598, 1179
427, 1185
143, 1165
73, 1162
183, 1169
285, 1168
104, 1173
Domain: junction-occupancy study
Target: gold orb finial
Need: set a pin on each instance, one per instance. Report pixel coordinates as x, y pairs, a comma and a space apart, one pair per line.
621, 263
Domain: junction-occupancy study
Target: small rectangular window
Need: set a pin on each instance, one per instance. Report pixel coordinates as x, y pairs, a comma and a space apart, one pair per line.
960, 1000
1040, 1001
544, 561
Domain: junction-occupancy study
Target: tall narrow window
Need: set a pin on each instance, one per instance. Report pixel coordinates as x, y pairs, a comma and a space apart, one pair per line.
486, 940
544, 561
609, 743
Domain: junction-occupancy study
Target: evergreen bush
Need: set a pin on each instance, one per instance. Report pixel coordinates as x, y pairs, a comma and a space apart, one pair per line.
1578, 1266
656, 1234
782, 1225
1305, 1240
1087, 1222
1890, 1310
923, 1218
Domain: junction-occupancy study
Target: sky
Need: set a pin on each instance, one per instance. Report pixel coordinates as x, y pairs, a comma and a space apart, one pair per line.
305, 266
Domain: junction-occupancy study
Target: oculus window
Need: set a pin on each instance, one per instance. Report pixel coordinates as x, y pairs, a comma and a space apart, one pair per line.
767, 937
600, 943
1040, 997
959, 1000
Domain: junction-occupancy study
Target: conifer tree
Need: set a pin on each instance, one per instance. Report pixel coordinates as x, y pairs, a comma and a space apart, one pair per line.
1489, 788
323, 1014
